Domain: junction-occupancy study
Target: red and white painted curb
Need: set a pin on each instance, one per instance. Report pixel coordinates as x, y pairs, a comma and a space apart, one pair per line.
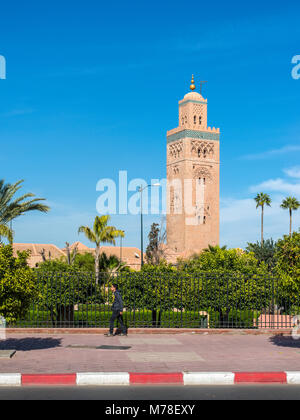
127, 378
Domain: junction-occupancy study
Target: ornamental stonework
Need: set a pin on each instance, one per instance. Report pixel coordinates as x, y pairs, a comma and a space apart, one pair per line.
202, 172
202, 149
175, 150
175, 202
173, 171
198, 109
202, 214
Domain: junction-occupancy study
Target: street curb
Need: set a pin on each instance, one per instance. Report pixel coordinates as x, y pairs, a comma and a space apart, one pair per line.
127, 378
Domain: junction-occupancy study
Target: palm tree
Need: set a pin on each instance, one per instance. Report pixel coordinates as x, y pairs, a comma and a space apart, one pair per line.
6, 232
100, 233
264, 253
262, 200
11, 208
111, 264
215, 248
290, 203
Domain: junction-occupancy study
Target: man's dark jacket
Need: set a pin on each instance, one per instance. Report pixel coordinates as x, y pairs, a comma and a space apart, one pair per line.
117, 306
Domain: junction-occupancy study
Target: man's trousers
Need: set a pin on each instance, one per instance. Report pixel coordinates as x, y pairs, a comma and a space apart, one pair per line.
118, 316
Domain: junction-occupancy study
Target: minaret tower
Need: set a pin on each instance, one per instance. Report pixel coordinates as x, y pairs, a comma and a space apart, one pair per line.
193, 168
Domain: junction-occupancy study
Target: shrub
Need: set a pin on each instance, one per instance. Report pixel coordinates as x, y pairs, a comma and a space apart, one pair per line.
17, 284
60, 290
264, 252
287, 270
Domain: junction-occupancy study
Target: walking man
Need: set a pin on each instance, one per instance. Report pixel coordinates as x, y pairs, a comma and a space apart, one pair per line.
117, 309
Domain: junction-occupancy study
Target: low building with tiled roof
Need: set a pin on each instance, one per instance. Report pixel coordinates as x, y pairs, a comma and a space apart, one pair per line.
37, 251
130, 255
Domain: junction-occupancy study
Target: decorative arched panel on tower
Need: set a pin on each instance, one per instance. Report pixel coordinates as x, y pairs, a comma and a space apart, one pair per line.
202, 172
202, 214
202, 149
175, 150
200, 115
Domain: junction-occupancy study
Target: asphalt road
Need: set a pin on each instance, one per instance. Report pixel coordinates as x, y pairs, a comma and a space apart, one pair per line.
161, 393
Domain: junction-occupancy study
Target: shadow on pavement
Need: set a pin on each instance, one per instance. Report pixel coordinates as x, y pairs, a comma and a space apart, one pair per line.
29, 343
285, 341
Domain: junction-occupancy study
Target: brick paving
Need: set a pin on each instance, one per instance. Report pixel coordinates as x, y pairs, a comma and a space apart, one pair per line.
44, 353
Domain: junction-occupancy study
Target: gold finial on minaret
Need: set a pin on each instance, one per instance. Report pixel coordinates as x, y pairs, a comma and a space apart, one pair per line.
192, 87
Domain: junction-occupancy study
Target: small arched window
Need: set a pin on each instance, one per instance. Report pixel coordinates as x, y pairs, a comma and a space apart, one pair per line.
199, 152
204, 220
195, 119
200, 120
204, 153
201, 181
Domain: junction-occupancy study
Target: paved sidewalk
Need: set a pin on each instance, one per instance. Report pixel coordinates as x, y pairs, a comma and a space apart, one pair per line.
37, 353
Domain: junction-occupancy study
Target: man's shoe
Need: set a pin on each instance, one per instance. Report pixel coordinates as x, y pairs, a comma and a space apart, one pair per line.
123, 335
108, 335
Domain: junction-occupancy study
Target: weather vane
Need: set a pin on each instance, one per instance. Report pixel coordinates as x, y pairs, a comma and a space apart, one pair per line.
201, 84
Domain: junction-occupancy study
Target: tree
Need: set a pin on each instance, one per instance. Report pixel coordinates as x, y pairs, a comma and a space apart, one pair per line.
224, 280
152, 248
216, 260
290, 203
288, 270
71, 255
155, 248
11, 208
111, 264
264, 253
288, 256
261, 200
62, 286
154, 288
17, 284
6, 232
85, 262
100, 233
215, 249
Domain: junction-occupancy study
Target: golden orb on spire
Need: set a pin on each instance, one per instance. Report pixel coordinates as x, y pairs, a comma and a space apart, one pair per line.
192, 87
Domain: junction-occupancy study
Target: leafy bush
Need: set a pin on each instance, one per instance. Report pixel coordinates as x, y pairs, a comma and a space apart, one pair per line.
264, 252
17, 284
288, 256
287, 270
62, 286
216, 260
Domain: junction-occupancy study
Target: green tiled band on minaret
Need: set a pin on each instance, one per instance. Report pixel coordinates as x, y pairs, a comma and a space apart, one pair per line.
204, 135
193, 102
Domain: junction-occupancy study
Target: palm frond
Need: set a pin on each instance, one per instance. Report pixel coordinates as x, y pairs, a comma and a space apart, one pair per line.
6, 232
11, 208
290, 203
101, 232
89, 234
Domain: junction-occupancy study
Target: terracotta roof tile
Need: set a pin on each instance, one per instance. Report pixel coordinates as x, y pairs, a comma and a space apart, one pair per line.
130, 255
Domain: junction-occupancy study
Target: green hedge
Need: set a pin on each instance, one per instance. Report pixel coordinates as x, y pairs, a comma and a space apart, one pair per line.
143, 318
87, 319
171, 319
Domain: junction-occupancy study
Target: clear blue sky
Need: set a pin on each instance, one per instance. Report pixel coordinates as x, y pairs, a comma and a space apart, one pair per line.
92, 87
